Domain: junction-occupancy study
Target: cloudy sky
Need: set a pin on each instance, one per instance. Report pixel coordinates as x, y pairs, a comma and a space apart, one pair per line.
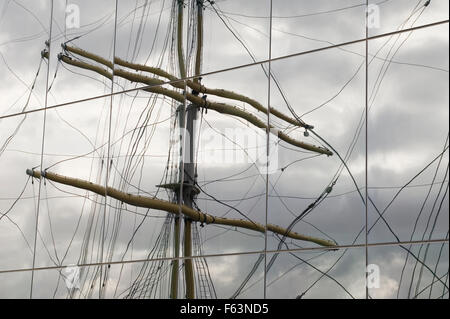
407, 130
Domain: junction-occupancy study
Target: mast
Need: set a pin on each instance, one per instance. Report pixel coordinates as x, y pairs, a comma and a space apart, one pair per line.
188, 193
180, 110
189, 173
185, 189
187, 176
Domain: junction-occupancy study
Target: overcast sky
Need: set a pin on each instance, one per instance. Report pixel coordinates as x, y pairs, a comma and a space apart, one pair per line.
407, 129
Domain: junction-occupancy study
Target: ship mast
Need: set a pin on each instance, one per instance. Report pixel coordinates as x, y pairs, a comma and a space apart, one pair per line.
186, 188
186, 192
